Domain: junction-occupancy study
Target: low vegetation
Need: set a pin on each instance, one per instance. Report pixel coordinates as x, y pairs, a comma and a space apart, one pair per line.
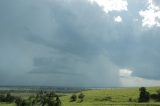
101, 97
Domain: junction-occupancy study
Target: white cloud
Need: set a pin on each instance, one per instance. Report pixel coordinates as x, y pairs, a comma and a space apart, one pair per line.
118, 19
112, 5
128, 80
125, 72
132, 81
151, 16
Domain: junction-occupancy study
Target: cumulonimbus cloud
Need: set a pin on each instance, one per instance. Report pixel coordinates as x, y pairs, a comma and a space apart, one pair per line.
54, 42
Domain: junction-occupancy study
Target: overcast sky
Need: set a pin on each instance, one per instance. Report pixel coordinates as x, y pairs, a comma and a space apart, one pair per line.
80, 43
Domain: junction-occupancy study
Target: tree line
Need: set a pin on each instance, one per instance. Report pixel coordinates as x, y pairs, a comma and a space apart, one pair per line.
41, 99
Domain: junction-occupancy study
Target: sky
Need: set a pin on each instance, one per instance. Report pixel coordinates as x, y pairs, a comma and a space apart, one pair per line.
80, 43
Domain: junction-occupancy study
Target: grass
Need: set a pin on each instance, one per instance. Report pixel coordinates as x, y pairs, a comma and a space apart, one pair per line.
110, 97
5, 104
106, 97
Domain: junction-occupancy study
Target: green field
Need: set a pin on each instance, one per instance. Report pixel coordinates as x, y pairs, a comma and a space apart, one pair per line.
105, 97
117, 96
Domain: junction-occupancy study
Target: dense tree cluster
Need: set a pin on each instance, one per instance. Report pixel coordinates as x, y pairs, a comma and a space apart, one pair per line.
45, 99
7, 98
41, 99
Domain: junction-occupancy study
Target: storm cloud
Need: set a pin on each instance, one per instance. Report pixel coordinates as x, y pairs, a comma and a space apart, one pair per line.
74, 43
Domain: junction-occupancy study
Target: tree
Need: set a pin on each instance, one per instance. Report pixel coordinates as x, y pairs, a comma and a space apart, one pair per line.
45, 99
156, 96
81, 97
18, 101
144, 96
48, 99
9, 98
24, 103
73, 98
2, 98
58, 101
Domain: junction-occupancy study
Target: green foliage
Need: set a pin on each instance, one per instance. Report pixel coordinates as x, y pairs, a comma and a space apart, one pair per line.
144, 96
158, 91
18, 101
73, 98
156, 96
81, 97
41, 99
8, 98
2, 98
47, 99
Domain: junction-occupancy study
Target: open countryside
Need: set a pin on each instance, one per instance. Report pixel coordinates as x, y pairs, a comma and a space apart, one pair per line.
91, 97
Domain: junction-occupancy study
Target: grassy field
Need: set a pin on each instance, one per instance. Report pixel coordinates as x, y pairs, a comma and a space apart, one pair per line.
106, 97
115, 97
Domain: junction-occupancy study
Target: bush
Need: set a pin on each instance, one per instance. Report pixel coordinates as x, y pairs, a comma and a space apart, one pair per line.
144, 96
156, 96
130, 100
58, 101
81, 97
9, 98
25, 103
158, 91
48, 99
73, 98
2, 98
18, 101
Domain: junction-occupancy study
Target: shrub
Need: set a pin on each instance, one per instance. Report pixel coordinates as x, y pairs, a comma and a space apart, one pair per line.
2, 98
18, 101
81, 97
9, 98
144, 96
156, 96
130, 100
73, 98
